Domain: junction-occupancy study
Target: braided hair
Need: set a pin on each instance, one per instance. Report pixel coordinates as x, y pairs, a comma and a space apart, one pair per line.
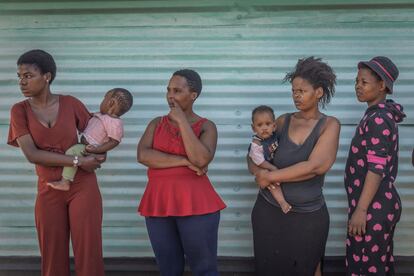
123, 97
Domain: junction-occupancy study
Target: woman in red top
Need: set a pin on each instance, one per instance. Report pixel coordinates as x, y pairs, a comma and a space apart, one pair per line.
180, 205
44, 126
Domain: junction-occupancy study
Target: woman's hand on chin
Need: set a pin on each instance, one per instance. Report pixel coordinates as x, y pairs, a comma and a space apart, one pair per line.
176, 113
262, 178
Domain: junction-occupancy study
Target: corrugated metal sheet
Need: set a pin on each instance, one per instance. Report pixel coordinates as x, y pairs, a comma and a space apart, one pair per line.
242, 51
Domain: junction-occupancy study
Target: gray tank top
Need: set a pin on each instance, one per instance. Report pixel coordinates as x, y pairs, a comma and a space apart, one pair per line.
304, 196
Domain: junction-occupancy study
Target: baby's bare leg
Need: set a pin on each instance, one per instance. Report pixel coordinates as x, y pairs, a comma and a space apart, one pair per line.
318, 271
277, 194
68, 173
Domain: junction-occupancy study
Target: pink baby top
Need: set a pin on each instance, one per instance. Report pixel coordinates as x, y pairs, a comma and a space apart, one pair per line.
101, 127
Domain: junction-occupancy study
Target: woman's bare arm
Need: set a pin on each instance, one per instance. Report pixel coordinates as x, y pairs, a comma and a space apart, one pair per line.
357, 223
200, 151
412, 158
152, 158
47, 158
320, 161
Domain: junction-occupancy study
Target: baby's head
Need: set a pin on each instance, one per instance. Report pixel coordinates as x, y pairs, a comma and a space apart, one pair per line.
116, 102
263, 121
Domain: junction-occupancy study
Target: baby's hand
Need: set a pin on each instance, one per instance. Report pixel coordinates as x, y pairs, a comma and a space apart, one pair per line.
90, 149
271, 187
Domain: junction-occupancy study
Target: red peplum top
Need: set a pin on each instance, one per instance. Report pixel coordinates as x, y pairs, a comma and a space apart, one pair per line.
177, 191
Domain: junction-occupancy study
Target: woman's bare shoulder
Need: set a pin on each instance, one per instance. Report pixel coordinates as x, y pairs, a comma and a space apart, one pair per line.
332, 121
154, 123
208, 123
332, 124
208, 126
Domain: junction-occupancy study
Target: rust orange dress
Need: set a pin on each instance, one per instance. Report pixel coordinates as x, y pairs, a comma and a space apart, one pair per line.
60, 215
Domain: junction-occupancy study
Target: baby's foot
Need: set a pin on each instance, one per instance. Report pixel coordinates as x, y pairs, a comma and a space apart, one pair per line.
285, 207
61, 185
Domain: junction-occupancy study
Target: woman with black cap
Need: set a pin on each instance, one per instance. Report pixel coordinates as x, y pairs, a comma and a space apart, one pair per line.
371, 169
181, 207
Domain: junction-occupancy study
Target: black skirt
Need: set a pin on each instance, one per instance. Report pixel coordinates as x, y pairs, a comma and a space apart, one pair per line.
288, 244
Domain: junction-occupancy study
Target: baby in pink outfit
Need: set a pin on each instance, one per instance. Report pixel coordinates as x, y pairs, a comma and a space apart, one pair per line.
103, 133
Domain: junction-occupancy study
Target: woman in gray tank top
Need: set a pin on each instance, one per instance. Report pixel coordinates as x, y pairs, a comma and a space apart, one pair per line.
294, 243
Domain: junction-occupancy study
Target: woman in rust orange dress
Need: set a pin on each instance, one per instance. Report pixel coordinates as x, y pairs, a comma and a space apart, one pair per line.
44, 126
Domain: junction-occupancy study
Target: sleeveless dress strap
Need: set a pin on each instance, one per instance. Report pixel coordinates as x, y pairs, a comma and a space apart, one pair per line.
317, 129
315, 133
285, 127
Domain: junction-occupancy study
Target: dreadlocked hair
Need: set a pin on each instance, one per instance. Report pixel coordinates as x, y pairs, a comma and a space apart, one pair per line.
318, 74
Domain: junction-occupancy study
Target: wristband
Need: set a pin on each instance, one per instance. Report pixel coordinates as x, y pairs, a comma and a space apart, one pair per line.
75, 161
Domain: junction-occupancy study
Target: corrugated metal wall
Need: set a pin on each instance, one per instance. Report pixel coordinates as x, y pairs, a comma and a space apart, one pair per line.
242, 50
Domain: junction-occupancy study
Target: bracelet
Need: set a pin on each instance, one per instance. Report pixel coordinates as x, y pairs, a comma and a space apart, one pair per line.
75, 161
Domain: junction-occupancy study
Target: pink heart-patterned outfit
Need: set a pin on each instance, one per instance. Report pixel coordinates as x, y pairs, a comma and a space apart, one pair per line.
374, 148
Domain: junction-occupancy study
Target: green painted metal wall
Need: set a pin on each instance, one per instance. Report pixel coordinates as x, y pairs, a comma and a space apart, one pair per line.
242, 50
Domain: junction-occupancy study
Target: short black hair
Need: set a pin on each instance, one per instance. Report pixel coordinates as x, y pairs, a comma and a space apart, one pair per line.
41, 59
193, 79
318, 74
263, 109
124, 99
